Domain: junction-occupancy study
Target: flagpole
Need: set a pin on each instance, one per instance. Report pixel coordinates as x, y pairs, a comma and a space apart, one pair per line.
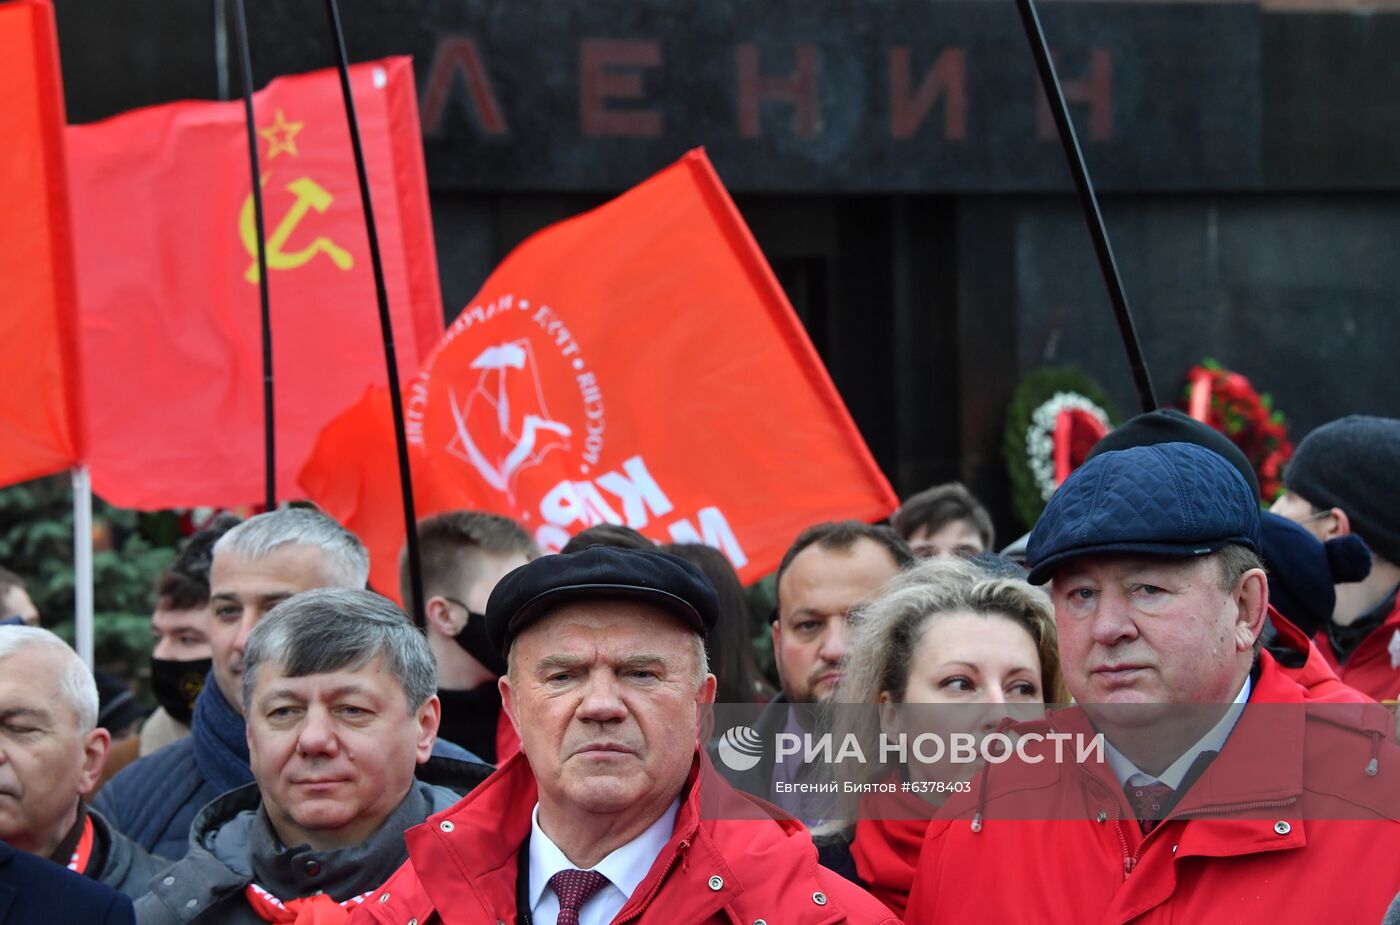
245, 61
1089, 202
386, 327
82, 563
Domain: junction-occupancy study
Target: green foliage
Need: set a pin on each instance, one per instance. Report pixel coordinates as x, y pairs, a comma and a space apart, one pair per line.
131, 550
1034, 391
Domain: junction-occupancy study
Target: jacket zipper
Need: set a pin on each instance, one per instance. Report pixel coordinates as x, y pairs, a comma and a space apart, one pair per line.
1130, 863
666, 872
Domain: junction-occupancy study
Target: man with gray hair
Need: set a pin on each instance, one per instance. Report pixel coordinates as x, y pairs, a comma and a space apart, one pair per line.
51, 756
257, 565
337, 726
600, 817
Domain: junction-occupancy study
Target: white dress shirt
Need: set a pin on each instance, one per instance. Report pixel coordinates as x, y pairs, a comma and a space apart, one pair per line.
625, 868
1213, 741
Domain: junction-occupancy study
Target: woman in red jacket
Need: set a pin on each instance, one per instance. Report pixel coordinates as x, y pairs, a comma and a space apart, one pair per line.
978, 643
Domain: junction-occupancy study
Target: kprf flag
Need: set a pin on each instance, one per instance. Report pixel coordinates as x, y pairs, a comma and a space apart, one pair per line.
639, 365
168, 280
39, 422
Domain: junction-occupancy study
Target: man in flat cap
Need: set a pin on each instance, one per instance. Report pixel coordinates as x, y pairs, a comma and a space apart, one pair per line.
1205, 806
600, 817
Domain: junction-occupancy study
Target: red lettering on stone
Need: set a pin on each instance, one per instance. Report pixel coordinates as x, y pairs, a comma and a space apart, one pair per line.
457, 54
946, 79
797, 89
610, 70
1096, 91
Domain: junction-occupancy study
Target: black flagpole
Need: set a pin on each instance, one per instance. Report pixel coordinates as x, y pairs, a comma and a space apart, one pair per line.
245, 61
1088, 201
415, 568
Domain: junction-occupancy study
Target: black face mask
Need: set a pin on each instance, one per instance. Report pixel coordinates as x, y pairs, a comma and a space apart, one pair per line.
177, 684
477, 644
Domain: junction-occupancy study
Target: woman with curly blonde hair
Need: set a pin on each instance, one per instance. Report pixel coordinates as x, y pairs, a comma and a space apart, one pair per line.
975, 641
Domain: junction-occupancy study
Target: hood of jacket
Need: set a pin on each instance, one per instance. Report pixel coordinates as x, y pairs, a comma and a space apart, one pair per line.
230, 830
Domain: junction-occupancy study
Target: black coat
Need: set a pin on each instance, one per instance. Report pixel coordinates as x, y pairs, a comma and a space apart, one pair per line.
34, 890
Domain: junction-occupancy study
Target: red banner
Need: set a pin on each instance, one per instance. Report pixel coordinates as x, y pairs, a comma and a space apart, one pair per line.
168, 280
638, 364
39, 429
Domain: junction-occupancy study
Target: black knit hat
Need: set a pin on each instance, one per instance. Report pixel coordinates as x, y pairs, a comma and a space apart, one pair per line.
1354, 464
1167, 425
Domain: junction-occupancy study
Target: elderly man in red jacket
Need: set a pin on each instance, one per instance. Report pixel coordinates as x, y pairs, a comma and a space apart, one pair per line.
611, 812
1223, 785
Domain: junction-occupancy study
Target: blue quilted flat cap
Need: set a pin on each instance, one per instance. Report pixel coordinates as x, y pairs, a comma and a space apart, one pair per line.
1172, 499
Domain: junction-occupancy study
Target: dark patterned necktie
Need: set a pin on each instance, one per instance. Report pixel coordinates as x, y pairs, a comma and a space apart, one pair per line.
1149, 802
574, 888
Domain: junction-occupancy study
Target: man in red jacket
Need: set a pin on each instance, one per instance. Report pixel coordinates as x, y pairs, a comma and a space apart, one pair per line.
611, 812
1345, 479
1223, 783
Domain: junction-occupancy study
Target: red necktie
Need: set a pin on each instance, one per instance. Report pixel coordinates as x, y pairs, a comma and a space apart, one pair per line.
1148, 801
574, 888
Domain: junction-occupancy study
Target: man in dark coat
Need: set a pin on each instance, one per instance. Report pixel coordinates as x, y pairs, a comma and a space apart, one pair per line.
829, 570
35, 890
339, 691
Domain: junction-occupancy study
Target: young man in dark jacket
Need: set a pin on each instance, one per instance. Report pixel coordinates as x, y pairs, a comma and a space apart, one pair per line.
339, 691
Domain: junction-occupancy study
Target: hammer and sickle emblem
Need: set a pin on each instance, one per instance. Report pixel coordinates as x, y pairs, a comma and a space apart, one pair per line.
309, 195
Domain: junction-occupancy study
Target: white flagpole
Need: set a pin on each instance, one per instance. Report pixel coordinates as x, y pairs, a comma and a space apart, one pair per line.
82, 562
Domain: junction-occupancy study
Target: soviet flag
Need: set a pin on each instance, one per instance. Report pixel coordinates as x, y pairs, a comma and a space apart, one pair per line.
168, 282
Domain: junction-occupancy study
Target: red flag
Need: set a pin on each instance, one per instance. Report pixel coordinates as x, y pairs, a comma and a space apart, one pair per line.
39, 429
170, 325
638, 364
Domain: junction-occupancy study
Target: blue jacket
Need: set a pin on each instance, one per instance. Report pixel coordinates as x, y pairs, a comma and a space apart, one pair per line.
153, 801
35, 890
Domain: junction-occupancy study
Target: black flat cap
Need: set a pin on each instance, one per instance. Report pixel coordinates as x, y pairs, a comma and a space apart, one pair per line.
600, 573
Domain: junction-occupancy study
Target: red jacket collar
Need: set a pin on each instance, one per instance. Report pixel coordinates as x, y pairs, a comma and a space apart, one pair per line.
466, 857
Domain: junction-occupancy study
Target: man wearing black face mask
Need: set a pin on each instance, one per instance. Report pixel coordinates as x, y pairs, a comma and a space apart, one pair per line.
464, 554
180, 660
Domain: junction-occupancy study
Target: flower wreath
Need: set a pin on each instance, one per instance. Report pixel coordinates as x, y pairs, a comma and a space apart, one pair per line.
1226, 401
1055, 418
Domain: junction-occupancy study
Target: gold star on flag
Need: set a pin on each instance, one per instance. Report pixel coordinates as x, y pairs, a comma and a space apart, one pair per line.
281, 136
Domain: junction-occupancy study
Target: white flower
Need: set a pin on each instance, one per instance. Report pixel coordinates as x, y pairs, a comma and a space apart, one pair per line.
1040, 449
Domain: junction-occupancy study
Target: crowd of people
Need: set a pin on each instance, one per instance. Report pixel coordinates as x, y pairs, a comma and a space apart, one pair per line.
544, 748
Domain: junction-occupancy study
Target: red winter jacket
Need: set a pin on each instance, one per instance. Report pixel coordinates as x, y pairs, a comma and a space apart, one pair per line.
1317, 675
1372, 668
1306, 833
731, 863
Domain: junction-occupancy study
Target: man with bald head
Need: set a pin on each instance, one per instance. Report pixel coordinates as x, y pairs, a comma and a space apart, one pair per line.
51, 756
